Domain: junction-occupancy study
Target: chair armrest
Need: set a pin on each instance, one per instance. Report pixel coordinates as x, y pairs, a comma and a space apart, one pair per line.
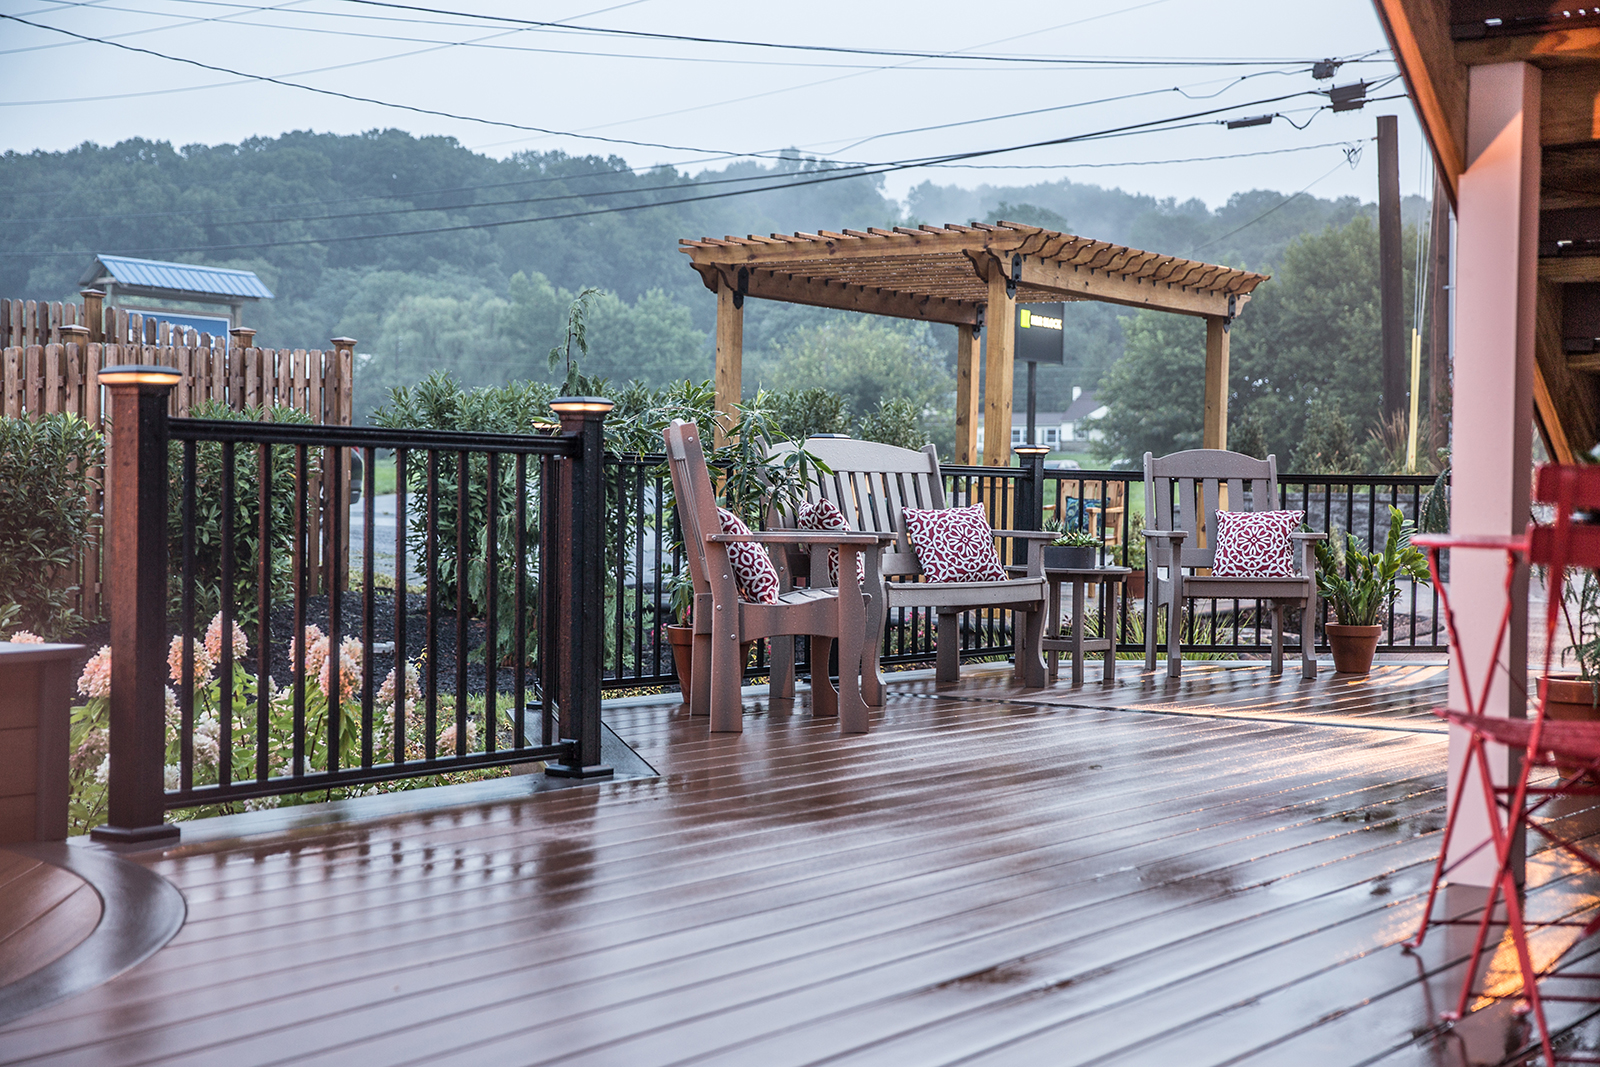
1028, 535
801, 537
1167, 535
1308, 535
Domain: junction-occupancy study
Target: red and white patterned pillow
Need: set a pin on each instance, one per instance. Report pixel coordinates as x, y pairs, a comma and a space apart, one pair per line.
825, 515
954, 544
753, 571
1255, 544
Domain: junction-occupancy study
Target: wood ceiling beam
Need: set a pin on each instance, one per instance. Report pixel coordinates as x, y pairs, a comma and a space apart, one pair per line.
1569, 105
1580, 43
1570, 269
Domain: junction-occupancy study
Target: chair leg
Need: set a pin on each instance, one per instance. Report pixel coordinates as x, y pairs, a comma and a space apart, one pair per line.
1277, 638
824, 697
1175, 630
853, 636
780, 652
1029, 634
700, 681
948, 661
1308, 638
727, 675
1151, 599
872, 649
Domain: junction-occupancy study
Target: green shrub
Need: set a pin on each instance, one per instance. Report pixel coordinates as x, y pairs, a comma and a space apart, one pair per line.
46, 475
894, 422
803, 413
246, 516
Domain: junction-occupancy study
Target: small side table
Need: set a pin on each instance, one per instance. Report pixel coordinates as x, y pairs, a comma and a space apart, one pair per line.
1078, 642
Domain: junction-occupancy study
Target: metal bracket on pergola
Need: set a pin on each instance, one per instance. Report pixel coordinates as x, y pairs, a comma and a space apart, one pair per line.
953, 274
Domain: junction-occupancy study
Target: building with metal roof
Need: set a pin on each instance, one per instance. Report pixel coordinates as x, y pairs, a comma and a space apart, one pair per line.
121, 277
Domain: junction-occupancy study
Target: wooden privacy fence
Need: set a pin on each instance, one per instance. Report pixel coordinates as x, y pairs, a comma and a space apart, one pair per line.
63, 376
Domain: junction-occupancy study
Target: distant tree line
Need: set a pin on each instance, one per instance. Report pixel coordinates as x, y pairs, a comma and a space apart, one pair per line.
487, 303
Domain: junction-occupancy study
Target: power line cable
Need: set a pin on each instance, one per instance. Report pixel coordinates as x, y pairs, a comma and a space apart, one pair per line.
1352, 157
1132, 128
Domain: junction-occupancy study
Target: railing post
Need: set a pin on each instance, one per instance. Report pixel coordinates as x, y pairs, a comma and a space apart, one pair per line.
579, 548
1029, 513
136, 570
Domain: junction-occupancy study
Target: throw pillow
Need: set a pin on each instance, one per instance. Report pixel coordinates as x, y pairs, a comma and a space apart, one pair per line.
954, 544
753, 571
1255, 544
825, 515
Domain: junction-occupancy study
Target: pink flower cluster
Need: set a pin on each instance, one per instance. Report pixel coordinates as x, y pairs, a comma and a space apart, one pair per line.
95, 681
26, 637
214, 640
203, 663
318, 662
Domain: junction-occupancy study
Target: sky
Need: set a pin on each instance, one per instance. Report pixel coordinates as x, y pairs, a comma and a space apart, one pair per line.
990, 76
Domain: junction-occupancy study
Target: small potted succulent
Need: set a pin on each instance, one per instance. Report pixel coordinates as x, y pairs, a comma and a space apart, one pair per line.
1072, 549
1359, 587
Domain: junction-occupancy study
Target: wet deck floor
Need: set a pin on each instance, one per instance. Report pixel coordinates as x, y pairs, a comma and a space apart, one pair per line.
1216, 872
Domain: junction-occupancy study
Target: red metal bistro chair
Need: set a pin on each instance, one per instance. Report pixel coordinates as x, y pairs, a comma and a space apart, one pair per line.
1569, 749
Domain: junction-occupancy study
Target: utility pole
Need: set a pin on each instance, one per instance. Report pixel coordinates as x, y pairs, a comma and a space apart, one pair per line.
1391, 271
1439, 327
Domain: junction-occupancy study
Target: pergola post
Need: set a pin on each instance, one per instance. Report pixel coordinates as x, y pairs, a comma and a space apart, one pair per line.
1495, 300
1000, 347
730, 352
1214, 429
967, 404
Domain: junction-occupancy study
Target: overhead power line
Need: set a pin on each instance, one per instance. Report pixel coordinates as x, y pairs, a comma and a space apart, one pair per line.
801, 181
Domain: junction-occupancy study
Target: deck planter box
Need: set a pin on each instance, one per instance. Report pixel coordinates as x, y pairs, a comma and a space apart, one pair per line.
1073, 557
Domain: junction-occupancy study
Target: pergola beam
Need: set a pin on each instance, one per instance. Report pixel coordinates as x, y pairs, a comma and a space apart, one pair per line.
796, 289
1090, 284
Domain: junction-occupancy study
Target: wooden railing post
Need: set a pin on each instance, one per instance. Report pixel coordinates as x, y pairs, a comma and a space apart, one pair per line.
94, 314
136, 569
1029, 514
579, 569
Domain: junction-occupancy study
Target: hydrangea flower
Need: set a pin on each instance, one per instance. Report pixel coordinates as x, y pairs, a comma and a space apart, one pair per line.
214, 640
95, 681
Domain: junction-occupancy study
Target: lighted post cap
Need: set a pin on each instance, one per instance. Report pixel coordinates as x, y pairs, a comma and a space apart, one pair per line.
572, 405
140, 374
1031, 450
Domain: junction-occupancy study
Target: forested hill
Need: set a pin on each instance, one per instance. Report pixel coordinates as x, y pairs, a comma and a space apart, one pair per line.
298, 209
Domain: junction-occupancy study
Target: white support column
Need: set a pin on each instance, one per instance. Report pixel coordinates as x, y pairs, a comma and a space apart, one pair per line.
1496, 289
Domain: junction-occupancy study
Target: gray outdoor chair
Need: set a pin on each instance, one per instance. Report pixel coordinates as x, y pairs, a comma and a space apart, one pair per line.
1181, 494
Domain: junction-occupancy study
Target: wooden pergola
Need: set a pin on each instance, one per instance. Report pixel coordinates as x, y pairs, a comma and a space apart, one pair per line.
970, 277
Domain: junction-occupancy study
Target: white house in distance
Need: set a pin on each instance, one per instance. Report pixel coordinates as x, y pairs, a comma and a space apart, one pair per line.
1062, 431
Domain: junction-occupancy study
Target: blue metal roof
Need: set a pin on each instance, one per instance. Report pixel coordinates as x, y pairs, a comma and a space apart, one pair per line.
180, 277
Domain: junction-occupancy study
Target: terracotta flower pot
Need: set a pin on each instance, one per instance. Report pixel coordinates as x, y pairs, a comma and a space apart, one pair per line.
681, 638
1573, 700
1353, 647
1136, 585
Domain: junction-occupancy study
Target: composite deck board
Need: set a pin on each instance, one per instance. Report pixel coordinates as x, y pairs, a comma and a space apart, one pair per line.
45, 912
991, 875
480, 962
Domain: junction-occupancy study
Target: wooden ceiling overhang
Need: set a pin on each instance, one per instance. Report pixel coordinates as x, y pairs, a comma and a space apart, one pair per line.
1436, 42
941, 273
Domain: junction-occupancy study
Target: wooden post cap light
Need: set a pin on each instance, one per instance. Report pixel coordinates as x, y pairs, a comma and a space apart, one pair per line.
141, 374
1029, 451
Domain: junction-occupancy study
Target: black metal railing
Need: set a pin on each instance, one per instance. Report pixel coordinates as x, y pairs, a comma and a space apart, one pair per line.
495, 660
641, 536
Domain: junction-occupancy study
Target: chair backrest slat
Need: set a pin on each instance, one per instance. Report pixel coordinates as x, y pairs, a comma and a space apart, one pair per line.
1198, 476
872, 484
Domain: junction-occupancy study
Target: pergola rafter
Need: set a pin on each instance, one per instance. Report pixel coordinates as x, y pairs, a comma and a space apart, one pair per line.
956, 275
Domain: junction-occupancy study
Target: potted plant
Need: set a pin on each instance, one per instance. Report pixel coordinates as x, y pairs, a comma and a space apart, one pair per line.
1072, 549
1360, 586
1133, 557
1577, 696
680, 635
